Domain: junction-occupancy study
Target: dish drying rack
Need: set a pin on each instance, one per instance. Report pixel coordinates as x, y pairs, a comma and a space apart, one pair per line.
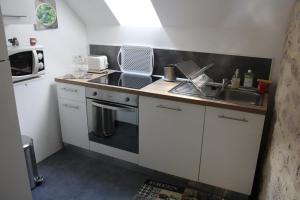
195, 74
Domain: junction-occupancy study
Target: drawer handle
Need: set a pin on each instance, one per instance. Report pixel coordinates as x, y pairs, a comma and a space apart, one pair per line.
71, 106
169, 108
14, 16
70, 90
233, 118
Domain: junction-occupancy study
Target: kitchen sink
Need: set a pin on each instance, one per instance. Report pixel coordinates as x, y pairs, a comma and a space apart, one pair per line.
216, 91
241, 95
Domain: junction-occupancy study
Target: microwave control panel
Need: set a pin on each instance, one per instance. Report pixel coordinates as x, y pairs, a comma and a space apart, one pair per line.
40, 55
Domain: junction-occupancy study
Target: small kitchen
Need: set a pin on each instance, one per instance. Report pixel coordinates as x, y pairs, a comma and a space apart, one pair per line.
148, 99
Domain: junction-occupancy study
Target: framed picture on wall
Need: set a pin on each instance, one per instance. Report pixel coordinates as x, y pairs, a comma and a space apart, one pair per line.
45, 15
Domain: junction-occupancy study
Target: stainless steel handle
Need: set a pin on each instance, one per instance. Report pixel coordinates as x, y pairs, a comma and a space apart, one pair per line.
70, 106
118, 57
14, 16
114, 107
233, 118
69, 90
169, 108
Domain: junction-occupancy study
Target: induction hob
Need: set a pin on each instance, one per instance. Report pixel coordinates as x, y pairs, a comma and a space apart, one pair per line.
125, 80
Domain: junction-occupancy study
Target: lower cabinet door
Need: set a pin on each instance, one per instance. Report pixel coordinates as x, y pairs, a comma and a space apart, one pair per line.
170, 136
73, 121
230, 148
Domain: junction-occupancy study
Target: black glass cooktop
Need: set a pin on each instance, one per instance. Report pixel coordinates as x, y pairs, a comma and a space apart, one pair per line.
125, 80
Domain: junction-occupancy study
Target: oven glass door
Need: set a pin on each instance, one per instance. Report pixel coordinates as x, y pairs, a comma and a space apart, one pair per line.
113, 125
22, 63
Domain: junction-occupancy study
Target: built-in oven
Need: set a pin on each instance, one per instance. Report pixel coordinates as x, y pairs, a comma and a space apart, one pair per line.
113, 119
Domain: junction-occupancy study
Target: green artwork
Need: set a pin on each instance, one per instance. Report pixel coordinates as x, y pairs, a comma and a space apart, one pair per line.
46, 15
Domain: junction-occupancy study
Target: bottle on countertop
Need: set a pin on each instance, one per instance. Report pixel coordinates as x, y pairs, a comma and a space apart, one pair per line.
236, 81
248, 79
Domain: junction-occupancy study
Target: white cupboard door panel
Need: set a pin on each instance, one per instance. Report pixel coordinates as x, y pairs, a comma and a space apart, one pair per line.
71, 92
73, 121
18, 11
230, 148
170, 136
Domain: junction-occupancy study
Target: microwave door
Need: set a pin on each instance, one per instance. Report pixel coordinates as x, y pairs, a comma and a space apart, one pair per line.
24, 65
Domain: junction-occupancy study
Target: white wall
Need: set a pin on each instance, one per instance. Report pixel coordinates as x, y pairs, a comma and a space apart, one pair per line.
206, 39
251, 28
247, 42
36, 99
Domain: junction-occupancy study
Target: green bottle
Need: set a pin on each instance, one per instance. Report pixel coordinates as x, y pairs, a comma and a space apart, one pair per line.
248, 79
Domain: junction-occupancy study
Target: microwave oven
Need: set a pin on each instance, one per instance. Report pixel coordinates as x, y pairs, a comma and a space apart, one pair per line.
26, 62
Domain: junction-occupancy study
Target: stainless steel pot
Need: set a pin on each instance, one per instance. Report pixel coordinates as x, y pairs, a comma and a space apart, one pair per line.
169, 73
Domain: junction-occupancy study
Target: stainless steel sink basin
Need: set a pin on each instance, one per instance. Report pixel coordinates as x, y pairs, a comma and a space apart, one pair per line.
215, 91
243, 96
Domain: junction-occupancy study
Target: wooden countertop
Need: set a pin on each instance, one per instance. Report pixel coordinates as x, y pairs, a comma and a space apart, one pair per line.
160, 88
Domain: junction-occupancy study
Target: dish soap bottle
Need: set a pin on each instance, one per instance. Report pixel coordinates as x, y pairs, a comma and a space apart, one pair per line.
248, 79
235, 81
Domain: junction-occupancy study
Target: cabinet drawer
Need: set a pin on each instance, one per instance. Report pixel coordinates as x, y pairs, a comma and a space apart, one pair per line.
72, 92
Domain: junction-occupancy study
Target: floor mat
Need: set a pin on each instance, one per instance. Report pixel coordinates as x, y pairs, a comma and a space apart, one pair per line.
154, 190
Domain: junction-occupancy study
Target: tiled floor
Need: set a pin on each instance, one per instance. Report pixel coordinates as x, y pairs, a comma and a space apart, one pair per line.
73, 174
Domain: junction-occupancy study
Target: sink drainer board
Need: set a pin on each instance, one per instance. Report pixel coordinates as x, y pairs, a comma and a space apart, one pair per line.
136, 60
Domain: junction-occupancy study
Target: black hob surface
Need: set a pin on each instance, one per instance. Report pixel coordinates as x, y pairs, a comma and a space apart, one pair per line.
125, 80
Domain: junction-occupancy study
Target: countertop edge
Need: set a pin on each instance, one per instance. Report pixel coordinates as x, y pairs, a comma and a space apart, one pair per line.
205, 102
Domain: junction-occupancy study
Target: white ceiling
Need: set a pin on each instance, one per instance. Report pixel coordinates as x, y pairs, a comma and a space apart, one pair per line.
93, 12
197, 13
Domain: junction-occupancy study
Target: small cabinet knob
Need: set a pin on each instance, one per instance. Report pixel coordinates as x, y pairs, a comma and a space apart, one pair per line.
127, 99
95, 93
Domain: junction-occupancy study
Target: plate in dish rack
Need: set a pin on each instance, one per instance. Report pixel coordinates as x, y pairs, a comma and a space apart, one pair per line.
136, 60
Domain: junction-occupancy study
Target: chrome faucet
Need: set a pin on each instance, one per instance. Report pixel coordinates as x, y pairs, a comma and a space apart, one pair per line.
225, 82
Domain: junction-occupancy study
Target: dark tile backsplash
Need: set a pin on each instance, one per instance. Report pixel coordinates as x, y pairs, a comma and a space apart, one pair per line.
224, 67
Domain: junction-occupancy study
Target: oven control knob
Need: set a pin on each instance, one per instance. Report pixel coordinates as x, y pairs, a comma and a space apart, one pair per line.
95, 93
127, 99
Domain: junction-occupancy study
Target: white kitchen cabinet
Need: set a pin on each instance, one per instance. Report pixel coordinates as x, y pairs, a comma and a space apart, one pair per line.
73, 118
18, 11
170, 136
71, 92
230, 148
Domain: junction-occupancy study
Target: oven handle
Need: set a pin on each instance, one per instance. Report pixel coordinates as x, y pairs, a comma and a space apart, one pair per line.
115, 107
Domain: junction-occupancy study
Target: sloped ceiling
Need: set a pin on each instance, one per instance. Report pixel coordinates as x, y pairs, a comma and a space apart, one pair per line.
197, 13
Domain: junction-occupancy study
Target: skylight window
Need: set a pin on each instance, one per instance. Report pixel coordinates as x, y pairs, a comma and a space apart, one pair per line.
139, 13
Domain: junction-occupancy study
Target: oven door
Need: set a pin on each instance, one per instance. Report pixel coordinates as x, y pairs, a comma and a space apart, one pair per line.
113, 124
24, 64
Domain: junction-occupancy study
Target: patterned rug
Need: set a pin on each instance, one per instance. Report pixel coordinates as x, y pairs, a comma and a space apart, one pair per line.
154, 190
